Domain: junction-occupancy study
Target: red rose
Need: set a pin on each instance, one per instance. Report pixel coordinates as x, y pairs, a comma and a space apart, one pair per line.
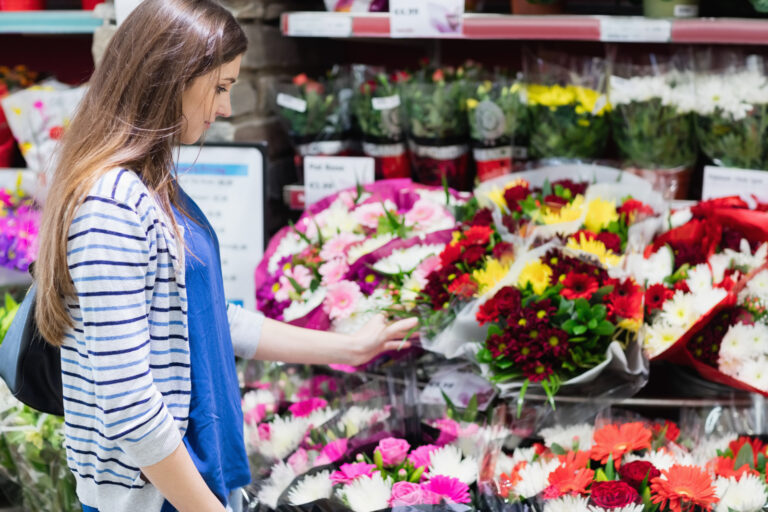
633, 206
633, 473
613, 495
656, 295
450, 254
579, 286
300, 80
473, 254
488, 312
611, 241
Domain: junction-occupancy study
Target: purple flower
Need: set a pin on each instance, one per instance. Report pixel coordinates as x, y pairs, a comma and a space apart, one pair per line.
367, 278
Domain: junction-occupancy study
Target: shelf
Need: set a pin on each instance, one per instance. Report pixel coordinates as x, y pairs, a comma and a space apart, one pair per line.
48, 22
570, 28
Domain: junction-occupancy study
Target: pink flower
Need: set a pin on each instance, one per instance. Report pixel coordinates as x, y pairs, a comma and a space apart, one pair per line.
299, 461
255, 384
307, 407
420, 457
406, 493
428, 266
341, 299
449, 431
332, 452
336, 247
333, 271
265, 431
317, 385
393, 451
256, 414
349, 472
303, 277
347, 198
451, 489
369, 214
424, 213
343, 368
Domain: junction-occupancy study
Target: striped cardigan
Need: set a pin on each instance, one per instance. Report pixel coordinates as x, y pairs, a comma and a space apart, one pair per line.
126, 364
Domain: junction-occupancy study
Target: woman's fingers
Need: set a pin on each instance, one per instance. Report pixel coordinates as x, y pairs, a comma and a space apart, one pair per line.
396, 345
400, 328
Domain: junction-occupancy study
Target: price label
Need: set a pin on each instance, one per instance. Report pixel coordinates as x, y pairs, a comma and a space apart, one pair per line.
426, 18
387, 103
725, 181
291, 102
459, 385
318, 24
638, 30
326, 175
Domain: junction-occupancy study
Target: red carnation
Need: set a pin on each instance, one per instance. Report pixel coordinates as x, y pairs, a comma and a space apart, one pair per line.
300, 80
556, 201
450, 254
464, 286
633, 473
514, 195
634, 206
508, 301
502, 249
682, 286
578, 286
473, 254
611, 241
478, 235
483, 217
613, 495
488, 312
656, 295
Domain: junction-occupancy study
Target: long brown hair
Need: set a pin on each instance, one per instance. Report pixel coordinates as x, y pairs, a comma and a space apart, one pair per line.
130, 117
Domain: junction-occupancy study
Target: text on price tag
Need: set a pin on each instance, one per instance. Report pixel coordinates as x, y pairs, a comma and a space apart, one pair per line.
638, 30
426, 18
326, 175
725, 181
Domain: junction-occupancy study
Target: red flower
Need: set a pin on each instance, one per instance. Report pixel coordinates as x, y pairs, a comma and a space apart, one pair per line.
450, 254
578, 286
300, 80
670, 430
656, 295
483, 217
400, 76
514, 195
725, 467
315, 87
618, 440
613, 495
635, 472
502, 249
587, 234
478, 235
626, 299
473, 254
611, 241
463, 287
488, 313
574, 187
681, 488
633, 206
758, 447
537, 371
682, 286
438, 76
556, 201
56, 132
368, 87
568, 479
508, 301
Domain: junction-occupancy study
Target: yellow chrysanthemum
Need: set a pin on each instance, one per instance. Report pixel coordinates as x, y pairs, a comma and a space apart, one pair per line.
497, 196
600, 214
487, 277
471, 103
567, 213
595, 248
537, 274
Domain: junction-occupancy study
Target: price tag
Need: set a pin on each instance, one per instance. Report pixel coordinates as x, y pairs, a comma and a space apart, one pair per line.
460, 386
326, 175
318, 24
291, 102
387, 103
725, 181
420, 18
639, 30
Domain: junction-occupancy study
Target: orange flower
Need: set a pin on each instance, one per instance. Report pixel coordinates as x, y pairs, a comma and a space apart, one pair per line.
568, 480
683, 487
724, 467
508, 482
620, 440
575, 460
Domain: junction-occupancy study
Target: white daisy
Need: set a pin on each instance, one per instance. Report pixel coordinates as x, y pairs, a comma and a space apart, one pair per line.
300, 308
652, 270
706, 300
280, 477
368, 494
534, 478
405, 260
311, 488
524, 454
567, 504
699, 279
679, 310
758, 286
357, 418
747, 494
320, 417
357, 251
286, 433
289, 245
566, 437
448, 461
755, 373
659, 336
257, 397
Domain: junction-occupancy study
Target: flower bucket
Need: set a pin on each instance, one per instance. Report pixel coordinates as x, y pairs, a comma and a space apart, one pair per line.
670, 183
434, 159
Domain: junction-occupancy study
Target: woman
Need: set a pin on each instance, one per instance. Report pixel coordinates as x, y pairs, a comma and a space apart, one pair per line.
129, 278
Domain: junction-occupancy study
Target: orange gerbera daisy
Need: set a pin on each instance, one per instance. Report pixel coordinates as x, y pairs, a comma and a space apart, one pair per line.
574, 460
508, 482
568, 480
683, 487
618, 440
725, 467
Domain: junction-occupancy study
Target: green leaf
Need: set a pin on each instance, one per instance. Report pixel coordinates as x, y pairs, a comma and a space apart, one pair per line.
605, 328
610, 469
471, 412
600, 476
521, 397
745, 457
495, 329
416, 475
592, 324
557, 449
579, 329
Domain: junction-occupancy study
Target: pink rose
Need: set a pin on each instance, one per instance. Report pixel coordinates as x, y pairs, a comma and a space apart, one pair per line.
341, 299
451, 489
333, 271
299, 461
405, 494
332, 452
420, 457
265, 431
369, 214
347, 473
424, 213
307, 407
449, 431
393, 451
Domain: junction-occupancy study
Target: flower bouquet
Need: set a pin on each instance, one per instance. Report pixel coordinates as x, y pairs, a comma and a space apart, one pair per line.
11, 79
732, 126
569, 110
497, 119
437, 128
316, 116
377, 106
653, 126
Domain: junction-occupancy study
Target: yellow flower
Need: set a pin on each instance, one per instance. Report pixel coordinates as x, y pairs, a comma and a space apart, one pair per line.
595, 248
471, 103
497, 196
600, 214
537, 274
25, 147
455, 236
487, 277
583, 122
630, 324
567, 213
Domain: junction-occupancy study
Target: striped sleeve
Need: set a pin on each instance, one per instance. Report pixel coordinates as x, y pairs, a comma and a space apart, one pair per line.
245, 328
112, 260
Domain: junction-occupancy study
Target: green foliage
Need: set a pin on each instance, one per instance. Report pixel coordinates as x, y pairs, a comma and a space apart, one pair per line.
504, 98
436, 110
381, 123
322, 117
561, 132
7, 313
735, 143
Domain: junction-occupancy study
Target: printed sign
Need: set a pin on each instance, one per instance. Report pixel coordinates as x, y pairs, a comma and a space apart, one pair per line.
639, 30
426, 18
725, 181
318, 24
326, 175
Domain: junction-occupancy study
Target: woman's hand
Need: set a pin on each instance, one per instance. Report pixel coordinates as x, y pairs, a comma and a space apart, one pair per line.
378, 336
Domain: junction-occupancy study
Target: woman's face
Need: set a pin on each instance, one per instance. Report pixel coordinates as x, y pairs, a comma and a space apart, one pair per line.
207, 98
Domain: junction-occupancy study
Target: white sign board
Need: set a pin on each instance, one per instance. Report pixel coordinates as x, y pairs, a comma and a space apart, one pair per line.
725, 181
426, 18
637, 30
227, 183
326, 175
319, 24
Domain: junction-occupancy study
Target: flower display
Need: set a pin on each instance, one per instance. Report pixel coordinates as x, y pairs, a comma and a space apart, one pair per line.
19, 227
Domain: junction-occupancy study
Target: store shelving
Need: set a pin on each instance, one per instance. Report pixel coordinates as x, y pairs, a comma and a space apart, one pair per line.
571, 28
48, 22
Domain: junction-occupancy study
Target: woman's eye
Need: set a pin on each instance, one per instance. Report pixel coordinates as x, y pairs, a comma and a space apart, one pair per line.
220, 89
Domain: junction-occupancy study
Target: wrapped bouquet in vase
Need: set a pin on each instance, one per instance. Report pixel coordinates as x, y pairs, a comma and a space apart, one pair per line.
653, 125
377, 106
437, 128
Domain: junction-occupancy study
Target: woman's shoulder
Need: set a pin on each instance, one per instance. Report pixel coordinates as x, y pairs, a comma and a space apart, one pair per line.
120, 185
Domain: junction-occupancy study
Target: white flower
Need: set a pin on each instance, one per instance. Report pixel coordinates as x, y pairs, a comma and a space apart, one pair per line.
745, 495
368, 494
257, 397
680, 310
333, 220
281, 476
743, 342
504, 464
744, 257
731, 94
534, 478
289, 245
365, 309
706, 449
448, 461
659, 336
320, 417
661, 459
311, 488
706, 300
699, 279
566, 437
524, 454
680, 217
757, 287
405, 260
357, 418
652, 270
437, 196
286, 433
567, 504
300, 308
357, 251
755, 373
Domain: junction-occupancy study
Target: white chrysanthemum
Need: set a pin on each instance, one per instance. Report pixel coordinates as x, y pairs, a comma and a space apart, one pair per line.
286, 433
311, 488
679, 310
524, 454
744, 341
661, 459
412, 286
336, 219
680, 217
504, 464
437, 196
368, 494
706, 300
257, 397
448, 461
357, 251
357, 418
699, 279
744, 89
748, 494
534, 478
567, 504
320, 417
659, 337
365, 309
758, 286
280, 477
627, 508
300, 308
652, 270
405, 260
706, 449
755, 373
567, 436
289, 245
